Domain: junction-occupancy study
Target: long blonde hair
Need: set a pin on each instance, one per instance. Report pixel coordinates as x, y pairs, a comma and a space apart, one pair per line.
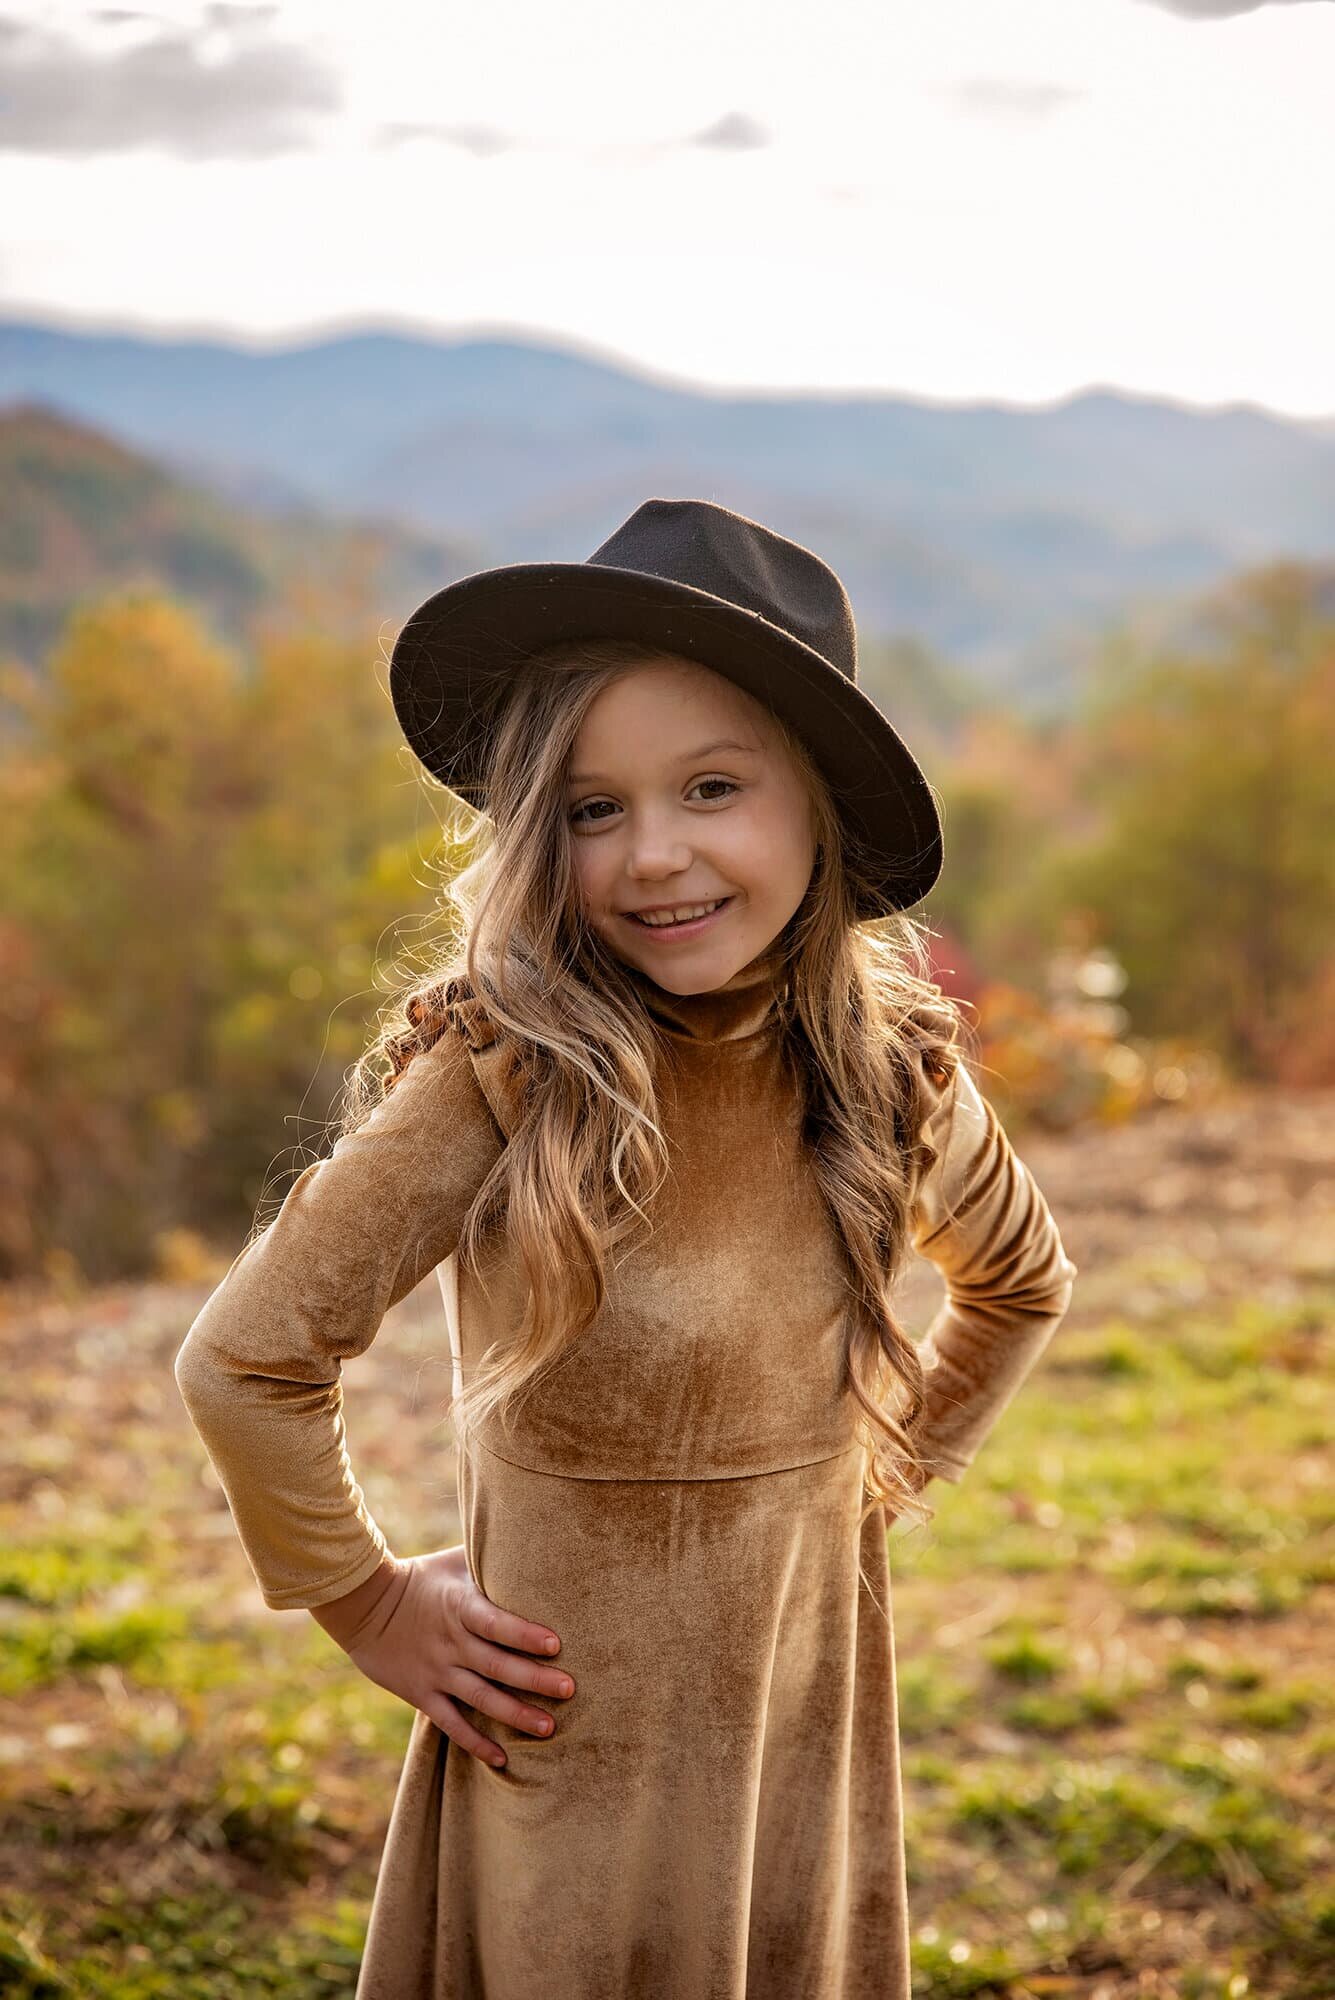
861, 1017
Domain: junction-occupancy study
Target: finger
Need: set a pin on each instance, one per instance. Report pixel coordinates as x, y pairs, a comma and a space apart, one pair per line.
451, 1723
515, 1670
485, 1695
505, 1628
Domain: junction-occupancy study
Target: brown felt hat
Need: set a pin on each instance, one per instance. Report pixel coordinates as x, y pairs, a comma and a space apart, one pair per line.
699, 580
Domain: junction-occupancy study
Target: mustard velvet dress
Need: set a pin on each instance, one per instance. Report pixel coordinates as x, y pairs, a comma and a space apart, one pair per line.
717, 1815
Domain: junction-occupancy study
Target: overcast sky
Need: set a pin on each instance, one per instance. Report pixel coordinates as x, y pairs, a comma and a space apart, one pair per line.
1009, 199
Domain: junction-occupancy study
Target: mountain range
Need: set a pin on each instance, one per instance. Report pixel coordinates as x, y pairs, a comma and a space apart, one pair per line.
1001, 537
82, 514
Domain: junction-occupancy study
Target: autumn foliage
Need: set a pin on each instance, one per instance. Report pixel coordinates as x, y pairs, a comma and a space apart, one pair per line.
209, 857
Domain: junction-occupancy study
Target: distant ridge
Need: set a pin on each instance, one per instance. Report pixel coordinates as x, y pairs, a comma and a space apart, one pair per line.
1001, 537
82, 514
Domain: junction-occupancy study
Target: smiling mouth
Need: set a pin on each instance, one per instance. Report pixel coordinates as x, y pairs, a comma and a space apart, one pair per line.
678, 916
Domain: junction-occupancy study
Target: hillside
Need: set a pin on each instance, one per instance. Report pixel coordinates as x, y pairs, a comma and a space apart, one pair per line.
81, 514
999, 536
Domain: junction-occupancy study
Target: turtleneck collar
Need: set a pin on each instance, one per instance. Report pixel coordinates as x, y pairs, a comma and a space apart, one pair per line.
741, 1006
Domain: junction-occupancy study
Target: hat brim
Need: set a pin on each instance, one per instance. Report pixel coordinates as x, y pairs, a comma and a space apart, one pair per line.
453, 659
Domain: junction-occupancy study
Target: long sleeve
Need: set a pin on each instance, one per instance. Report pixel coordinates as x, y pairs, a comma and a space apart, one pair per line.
981, 1219
260, 1370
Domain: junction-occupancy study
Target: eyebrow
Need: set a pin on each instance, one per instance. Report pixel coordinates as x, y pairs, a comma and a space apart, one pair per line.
687, 757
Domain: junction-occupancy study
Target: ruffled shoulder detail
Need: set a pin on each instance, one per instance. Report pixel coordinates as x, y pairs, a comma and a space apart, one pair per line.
466, 1012
932, 1028
495, 1055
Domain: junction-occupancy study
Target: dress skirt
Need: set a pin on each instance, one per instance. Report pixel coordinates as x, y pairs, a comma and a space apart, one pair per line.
717, 1815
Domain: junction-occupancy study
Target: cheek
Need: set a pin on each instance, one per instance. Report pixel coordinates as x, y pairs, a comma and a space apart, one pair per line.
588, 874
802, 835
783, 846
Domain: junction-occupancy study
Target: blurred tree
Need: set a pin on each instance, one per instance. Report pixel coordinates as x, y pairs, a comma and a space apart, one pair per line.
213, 868
109, 872
1009, 798
325, 860
199, 862
1213, 872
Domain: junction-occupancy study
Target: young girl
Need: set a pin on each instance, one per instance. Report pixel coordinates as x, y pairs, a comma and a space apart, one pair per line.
667, 1125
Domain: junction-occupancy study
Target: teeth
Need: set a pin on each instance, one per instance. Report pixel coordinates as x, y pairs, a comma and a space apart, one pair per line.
681, 915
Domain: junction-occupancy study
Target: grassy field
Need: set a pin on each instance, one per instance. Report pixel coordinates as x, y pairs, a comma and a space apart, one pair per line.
1114, 1639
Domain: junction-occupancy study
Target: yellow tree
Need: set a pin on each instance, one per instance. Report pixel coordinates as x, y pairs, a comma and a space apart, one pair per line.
111, 795
206, 859
1213, 874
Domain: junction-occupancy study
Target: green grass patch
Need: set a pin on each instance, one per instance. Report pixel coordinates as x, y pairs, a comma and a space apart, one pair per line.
1059, 1711
41, 1650
1027, 1658
1116, 1728
62, 1569
1099, 1820
205, 1946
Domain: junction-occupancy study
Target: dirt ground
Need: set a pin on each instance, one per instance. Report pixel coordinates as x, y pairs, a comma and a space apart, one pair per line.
145, 1787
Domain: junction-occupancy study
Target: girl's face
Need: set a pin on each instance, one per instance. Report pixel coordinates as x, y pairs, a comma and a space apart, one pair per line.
681, 793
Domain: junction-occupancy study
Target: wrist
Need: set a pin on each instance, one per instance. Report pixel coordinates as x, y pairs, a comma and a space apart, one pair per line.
347, 1619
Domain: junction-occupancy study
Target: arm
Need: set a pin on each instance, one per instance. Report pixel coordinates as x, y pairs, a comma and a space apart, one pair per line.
260, 1368
981, 1219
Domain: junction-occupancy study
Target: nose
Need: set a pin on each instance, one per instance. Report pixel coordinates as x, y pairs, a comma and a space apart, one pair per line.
655, 854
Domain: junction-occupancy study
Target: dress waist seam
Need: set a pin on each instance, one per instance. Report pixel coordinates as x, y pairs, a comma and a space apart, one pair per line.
671, 1478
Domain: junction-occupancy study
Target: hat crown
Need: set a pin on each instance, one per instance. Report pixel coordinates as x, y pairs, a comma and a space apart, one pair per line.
693, 578
711, 548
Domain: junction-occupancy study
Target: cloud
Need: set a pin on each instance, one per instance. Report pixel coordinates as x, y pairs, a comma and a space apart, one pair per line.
221, 14
1214, 10
994, 97
482, 140
735, 132
225, 89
